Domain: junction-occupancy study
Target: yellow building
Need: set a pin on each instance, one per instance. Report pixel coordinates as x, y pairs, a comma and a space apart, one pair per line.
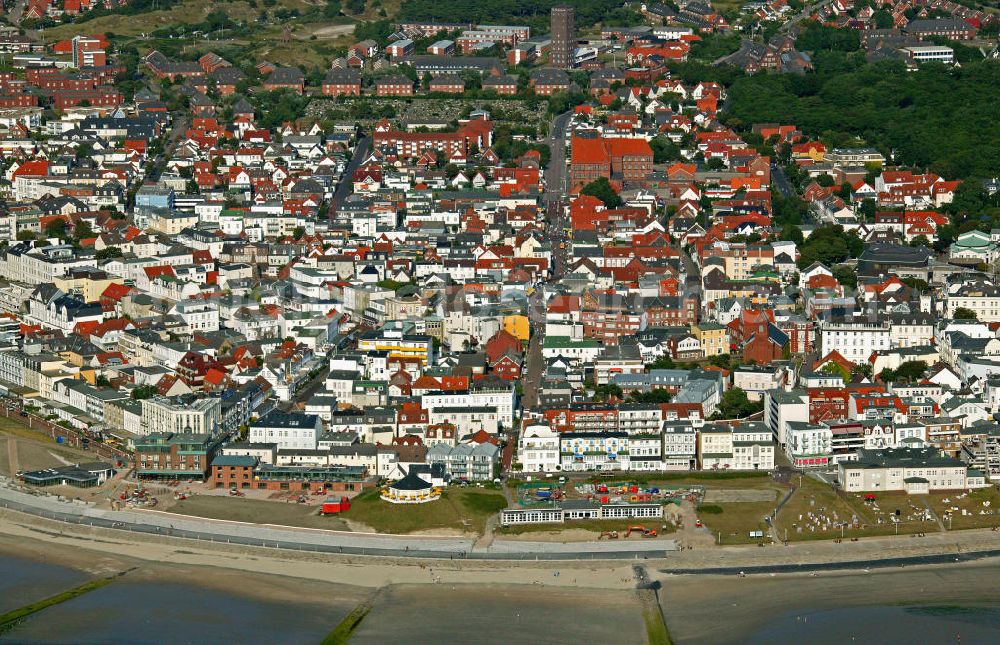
813, 151
89, 283
714, 338
398, 345
518, 327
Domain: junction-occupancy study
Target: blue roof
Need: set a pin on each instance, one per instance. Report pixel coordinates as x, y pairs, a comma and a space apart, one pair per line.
777, 336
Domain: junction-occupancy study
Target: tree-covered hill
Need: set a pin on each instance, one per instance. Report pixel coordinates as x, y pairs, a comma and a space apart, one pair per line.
941, 118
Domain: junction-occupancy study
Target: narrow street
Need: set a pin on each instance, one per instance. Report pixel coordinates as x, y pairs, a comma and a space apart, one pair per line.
555, 226
17, 11
346, 185
178, 127
781, 181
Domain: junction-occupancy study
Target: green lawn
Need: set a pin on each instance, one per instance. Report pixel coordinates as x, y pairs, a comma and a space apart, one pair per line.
737, 519
459, 508
823, 502
14, 426
979, 515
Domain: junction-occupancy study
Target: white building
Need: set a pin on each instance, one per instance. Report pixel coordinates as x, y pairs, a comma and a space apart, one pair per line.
538, 449
680, 445
781, 407
807, 445
181, 415
745, 447
755, 380
583, 451
198, 315
914, 470
287, 431
854, 338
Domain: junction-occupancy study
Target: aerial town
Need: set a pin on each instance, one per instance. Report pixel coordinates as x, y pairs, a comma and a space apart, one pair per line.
629, 279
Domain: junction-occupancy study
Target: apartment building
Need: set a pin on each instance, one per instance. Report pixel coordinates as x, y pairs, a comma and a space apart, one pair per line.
184, 415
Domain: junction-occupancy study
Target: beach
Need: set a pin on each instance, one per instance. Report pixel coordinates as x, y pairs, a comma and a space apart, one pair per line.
171, 593
728, 609
490, 601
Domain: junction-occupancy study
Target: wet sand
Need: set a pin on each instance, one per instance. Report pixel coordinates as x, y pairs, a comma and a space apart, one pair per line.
24, 581
170, 601
719, 610
75, 544
444, 601
502, 614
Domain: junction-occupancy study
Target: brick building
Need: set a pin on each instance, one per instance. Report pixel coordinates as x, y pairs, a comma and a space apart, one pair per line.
342, 82
397, 85
447, 84
621, 159
478, 132
563, 34
174, 455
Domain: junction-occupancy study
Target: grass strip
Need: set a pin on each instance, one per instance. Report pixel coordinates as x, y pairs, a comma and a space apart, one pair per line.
345, 628
656, 629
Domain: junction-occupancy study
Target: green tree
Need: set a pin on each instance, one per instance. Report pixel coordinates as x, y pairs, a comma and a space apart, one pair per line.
883, 19
144, 392
837, 369
56, 228
962, 313
607, 391
82, 230
911, 371
604, 191
735, 405
829, 245
107, 253
846, 276
664, 150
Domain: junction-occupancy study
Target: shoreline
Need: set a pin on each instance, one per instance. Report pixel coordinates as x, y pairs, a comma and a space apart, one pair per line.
94, 549
728, 609
380, 570
699, 608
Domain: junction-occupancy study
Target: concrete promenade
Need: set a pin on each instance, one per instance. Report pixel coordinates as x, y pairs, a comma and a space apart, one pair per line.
304, 539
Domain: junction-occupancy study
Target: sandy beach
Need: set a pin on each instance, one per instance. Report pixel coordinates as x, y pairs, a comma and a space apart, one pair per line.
420, 603
98, 550
420, 600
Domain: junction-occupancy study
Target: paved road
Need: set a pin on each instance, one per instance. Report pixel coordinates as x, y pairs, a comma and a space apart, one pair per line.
178, 127
799, 17
345, 186
535, 363
181, 526
556, 188
781, 181
17, 12
313, 385
555, 228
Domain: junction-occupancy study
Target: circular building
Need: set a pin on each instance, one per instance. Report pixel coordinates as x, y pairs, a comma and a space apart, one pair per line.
410, 490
